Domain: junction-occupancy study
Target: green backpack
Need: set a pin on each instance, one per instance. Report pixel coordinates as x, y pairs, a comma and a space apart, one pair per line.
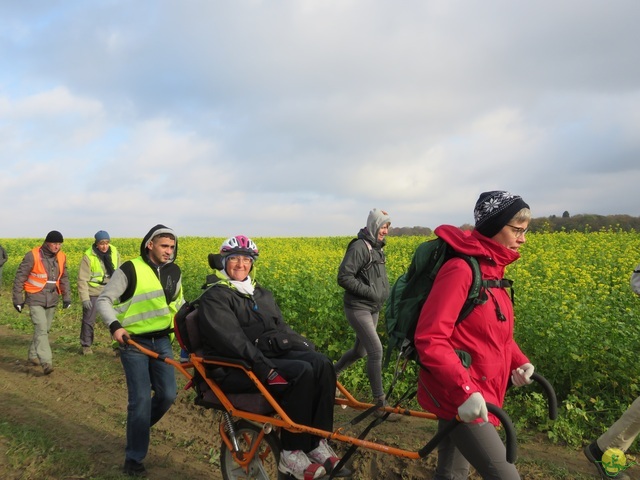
412, 288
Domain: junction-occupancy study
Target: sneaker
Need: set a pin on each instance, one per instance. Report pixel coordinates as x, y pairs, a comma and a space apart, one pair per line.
298, 465
324, 455
594, 455
134, 469
87, 351
33, 362
47, 368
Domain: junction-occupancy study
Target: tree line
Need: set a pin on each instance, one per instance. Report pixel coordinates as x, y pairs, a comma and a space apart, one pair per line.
583, 223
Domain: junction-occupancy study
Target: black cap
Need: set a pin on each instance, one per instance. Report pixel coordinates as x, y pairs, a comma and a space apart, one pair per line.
54, 236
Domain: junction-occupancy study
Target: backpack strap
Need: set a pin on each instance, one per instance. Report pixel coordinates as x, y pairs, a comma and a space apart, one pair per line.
480, 287
368, 265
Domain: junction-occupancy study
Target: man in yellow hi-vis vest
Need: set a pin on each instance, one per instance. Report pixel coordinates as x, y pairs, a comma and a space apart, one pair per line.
140, 301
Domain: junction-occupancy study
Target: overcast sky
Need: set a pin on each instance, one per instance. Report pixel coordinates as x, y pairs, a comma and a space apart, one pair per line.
295, 118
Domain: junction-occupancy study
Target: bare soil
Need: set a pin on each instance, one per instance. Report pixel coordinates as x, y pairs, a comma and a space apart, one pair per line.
86, 413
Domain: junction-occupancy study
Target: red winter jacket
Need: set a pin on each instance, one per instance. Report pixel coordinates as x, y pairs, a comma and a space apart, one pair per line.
446, 384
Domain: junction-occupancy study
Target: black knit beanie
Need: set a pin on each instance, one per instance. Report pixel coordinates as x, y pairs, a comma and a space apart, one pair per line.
54, 236
495, 209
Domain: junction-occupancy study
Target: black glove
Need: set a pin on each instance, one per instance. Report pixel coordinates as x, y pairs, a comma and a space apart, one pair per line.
275, 378
66, 305
18, 307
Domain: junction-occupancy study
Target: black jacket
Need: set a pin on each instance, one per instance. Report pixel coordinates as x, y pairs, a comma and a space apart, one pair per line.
363, 275
232, 323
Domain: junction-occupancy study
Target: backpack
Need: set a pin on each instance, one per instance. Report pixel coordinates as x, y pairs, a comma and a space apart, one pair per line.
185, 321
412, 288
367, 265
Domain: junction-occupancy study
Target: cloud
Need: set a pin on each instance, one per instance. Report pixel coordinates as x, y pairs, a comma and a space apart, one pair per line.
298, 117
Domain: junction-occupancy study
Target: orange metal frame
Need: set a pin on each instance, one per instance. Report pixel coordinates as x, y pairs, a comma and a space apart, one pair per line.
280, 419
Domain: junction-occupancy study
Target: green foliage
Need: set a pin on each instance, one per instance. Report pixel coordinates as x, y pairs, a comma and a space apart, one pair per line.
576, 317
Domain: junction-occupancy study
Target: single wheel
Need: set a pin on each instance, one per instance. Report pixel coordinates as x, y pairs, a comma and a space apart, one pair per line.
263, 466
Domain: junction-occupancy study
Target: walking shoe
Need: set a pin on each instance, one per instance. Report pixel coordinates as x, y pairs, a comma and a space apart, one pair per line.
87, 351
594, 455
33, 362
298, 465
324, 455
393, 417
134, 469
47, 368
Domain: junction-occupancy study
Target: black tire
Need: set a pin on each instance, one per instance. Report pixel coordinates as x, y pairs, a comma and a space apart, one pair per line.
264, 465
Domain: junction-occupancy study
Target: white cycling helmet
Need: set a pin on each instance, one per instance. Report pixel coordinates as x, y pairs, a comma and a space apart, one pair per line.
239, 245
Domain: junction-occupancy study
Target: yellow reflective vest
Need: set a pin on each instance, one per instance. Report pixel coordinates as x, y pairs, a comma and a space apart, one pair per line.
147, 310
97, 269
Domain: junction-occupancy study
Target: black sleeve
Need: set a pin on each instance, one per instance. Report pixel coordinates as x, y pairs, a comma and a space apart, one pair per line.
129, 270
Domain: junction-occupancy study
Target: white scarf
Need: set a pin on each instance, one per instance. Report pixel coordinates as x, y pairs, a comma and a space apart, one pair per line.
243, 286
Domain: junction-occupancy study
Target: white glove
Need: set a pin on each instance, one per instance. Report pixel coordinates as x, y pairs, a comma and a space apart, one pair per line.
473, 407
522, 375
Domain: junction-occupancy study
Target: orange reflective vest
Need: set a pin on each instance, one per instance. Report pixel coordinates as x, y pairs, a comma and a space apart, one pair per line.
39, 277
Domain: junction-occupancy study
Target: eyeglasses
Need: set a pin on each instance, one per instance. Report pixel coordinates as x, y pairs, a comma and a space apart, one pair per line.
517, 231
240, 259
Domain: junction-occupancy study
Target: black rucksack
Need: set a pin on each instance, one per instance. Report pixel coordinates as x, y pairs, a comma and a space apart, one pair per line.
412, 288
185, 321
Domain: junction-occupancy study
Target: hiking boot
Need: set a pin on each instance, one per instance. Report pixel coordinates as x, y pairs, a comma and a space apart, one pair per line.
298, 465
47, 368
134, 469
87, 351
594, 455
325, 456
33, 362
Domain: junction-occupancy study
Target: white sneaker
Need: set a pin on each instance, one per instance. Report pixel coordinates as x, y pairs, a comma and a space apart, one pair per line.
296, 463
325, 455
322, 452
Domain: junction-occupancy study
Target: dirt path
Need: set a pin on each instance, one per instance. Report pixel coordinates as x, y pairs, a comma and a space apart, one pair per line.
86, 412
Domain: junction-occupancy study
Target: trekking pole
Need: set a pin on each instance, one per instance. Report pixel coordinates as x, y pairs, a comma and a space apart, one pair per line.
505, 420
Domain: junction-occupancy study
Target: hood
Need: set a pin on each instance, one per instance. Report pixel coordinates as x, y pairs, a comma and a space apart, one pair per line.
375, 220
155, 231
477, 245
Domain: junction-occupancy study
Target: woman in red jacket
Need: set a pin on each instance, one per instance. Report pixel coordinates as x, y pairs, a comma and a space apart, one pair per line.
447, 387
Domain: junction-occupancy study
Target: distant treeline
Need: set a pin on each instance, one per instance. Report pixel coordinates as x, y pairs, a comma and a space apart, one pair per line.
566, 223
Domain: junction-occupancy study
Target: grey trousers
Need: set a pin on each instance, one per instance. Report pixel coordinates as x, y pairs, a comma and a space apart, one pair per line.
367, 344
42, 318
624, 431
476, 444
88, 323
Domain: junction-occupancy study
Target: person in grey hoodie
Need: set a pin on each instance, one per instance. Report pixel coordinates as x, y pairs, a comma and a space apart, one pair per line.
363, 276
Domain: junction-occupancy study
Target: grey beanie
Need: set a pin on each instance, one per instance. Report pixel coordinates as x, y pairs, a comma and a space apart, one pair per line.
101, 235
495, 209
376, 219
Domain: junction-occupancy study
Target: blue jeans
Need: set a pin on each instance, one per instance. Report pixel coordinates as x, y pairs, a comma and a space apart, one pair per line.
145, 410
